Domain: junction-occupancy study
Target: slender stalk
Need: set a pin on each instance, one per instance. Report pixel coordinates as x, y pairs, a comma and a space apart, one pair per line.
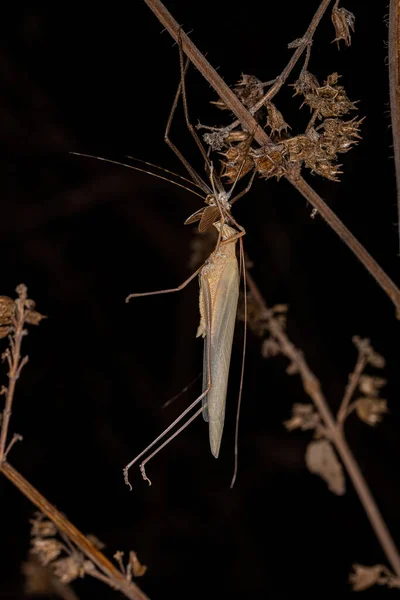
304, 42
312, 387
15, 365
351, 387
394, 84
117, 579
249, 124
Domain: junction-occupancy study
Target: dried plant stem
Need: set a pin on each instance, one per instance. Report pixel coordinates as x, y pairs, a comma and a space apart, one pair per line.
351, 387
312, 387
249, 124
394, 84
304, 43
113, 577
15, 365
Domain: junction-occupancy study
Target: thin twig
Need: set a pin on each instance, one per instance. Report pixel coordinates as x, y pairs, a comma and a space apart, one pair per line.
312, 387
304, 43
117, 579
354, 379
249, 124
15, 364
394, 84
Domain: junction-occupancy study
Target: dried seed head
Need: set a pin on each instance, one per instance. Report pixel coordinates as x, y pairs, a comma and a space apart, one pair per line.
249, 90
275, 120
364, 347
304, 416
217, 138
343, 20
42, 527
238, 161
371, 410
307, 83
69, 568
371, 386
330, 100
270, 160
324, 167
22, 291
7, 310
46, 549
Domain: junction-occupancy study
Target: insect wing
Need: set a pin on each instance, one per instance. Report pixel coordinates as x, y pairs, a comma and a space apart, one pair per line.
222, 328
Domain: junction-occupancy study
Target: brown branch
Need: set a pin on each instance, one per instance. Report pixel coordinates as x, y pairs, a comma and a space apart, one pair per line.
394, 84
15, 366
249, 124
117, 579
304, 42
312, 387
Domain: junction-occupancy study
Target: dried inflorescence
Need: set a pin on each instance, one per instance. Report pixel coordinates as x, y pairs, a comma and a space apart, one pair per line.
66, 562
51, 549
316, 149
249, 89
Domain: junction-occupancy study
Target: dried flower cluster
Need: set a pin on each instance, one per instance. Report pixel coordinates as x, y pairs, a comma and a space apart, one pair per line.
9, 307
369, 407
52, 549
66, 561
316, 149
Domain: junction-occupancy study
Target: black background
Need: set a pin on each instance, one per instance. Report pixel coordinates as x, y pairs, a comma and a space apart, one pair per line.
82, 234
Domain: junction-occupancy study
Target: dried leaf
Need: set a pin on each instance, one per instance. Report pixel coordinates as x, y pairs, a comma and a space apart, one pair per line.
322, 460
365, 577
33, 317
371, 410
138, 569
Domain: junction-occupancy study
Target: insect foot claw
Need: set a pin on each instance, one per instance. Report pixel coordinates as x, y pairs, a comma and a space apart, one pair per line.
126, 480
143, 472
